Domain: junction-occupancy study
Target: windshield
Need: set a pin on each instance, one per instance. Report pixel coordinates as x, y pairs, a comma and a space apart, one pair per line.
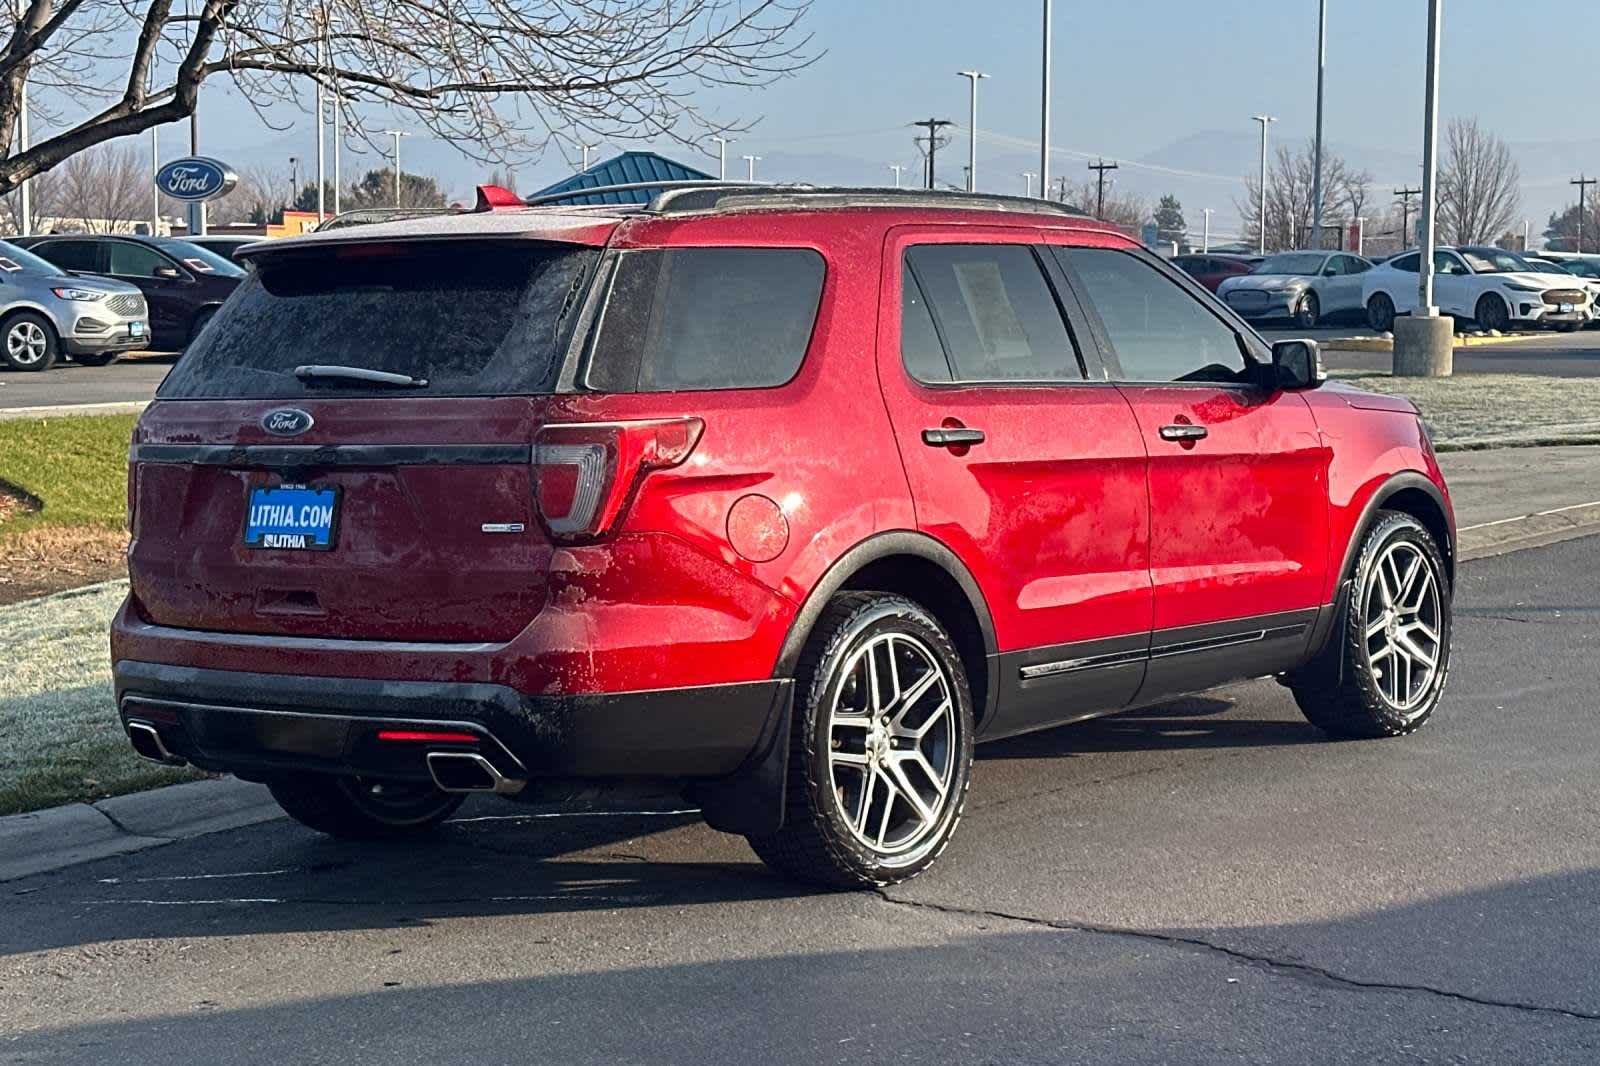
1292, 263
27, 260
1495, 261
213, 263
470, 319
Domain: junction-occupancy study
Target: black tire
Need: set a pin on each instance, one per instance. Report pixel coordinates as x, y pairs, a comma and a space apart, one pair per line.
1491, 312
819, 843
198, 323
1380, 312
1344, 692
96, 358
354, 809
28, 342
1308, 311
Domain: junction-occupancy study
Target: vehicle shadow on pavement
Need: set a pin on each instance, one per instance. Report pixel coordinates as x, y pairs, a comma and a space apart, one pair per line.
1194, 722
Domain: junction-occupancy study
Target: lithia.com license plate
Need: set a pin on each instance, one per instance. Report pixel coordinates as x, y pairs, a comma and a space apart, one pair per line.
295, 517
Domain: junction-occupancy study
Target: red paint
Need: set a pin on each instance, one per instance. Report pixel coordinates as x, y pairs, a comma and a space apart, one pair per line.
1076, 521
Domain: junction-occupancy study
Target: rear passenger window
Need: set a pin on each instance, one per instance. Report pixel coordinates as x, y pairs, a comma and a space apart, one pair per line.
920, 349
71, 255
994, 314
1157, 331
689, 319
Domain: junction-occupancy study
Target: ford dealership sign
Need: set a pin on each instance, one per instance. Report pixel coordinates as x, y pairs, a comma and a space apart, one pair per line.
196, 177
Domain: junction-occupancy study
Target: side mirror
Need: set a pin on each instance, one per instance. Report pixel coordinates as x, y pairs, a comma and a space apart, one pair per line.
171, 273
1329, 272
1296, 365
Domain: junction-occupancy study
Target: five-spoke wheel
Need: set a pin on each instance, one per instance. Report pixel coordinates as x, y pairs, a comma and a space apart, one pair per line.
1402, 626
29, 342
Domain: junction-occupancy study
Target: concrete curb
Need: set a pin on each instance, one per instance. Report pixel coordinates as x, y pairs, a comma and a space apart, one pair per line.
1529, 531
128, 407
1385, 344
41, 841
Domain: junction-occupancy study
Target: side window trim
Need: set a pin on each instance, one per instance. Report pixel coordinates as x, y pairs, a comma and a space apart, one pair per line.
1250, 347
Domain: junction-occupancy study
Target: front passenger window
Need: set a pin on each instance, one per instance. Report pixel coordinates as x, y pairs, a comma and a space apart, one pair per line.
1157, 331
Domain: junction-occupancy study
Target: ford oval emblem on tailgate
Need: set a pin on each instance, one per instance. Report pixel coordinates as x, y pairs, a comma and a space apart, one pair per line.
286, 422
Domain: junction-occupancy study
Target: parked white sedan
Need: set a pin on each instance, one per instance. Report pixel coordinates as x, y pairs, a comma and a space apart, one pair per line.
1303, 286
1491, 286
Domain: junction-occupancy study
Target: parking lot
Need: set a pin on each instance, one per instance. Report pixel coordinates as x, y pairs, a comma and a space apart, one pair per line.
1210, 880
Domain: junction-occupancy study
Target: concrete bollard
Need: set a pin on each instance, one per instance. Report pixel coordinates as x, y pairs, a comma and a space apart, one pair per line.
1423, 347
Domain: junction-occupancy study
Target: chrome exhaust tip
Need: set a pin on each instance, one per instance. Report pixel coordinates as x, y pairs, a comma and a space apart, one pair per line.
148, 745
466, 771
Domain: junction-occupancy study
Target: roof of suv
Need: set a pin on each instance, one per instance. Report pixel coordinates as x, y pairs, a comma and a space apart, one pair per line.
547, 218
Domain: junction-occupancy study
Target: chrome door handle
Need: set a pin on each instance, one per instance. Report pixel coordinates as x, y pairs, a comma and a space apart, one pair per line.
1183, 432
951, 438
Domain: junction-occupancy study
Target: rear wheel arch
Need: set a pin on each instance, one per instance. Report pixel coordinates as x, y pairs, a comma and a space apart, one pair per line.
928, 573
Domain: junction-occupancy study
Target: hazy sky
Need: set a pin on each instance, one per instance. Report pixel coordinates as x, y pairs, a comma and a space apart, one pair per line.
1131, 76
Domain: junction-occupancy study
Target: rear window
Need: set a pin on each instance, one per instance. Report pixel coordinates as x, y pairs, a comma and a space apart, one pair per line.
690, 319
472, 318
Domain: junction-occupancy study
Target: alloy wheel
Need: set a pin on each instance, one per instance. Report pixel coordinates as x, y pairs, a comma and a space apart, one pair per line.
1403, 625
893, 739
26, 343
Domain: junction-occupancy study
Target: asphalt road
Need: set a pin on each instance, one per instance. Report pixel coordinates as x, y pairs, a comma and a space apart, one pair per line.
132, 378
1210, 881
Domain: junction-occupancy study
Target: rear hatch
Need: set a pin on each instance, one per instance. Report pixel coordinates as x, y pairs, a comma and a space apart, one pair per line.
279, 487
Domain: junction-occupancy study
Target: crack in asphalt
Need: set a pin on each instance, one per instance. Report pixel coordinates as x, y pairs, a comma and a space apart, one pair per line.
1295, 970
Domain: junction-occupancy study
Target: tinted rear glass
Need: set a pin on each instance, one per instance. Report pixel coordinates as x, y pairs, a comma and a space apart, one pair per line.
473, 318
685, 319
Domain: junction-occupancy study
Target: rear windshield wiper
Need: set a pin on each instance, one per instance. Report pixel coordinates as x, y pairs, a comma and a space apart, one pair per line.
356, 375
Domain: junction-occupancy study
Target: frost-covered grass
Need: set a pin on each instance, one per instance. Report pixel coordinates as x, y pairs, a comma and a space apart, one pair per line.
59, 737
1489, 410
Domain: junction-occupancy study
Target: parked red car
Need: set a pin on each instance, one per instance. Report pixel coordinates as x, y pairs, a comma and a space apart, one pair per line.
1212, 269
788, 496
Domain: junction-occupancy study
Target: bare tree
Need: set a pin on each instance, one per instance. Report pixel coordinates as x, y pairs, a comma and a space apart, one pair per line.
1122, 209
1289, 201
1479, 183
501, 77
103, 190
259, 197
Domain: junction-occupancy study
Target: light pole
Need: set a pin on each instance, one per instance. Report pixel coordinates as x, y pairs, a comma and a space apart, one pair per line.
897, 168
322, 159
750, 162
1044, 109
25, 224
1361, 234
722, 157
1205, 239
1430, 165
587, 148
973, 77
396, 134
1027, 177
294, 180
1261, 190
1316, 151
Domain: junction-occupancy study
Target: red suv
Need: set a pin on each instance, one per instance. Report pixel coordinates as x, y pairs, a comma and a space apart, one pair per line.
783, 496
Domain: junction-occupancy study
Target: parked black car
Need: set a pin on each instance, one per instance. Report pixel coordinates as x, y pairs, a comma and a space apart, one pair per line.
225, 246
183, 284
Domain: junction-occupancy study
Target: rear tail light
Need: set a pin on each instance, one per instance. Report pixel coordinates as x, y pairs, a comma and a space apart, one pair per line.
585, 473
133, 492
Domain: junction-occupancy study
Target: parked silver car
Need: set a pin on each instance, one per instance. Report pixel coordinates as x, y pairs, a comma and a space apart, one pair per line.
1303, 286
46, 313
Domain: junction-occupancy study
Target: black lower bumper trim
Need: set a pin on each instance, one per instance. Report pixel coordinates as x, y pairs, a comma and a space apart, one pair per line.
257, 724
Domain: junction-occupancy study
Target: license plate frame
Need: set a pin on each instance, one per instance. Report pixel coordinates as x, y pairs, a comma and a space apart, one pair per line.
287, 532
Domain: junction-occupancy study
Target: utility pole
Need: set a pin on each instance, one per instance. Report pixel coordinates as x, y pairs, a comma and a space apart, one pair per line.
934, 125
1261, 190
1205, 240
750, 162
1027, 177
1100, 167
973, 77
396, 134
897, 168
1405, 214
1316, 152
1044, 108
722, 157
1583, 184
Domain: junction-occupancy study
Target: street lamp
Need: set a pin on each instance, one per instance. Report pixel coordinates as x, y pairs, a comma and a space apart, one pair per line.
586, 148
750, 162
1044, 108
1027, 177
722, 157
897, 168
973, 77
1261, 190
294, 180
396, 134
1205, 240
1316, 151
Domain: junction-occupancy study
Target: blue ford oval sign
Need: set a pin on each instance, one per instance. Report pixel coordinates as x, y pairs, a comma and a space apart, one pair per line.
195, 178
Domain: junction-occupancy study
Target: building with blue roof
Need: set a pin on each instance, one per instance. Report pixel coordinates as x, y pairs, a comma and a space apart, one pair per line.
624, 169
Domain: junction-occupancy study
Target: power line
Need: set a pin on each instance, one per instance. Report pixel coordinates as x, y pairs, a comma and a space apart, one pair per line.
1405, 195
933, 126
1100, 167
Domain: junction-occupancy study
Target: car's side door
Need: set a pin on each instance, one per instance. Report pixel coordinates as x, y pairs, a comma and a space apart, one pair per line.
72, 256
1399, 282
162, 281
1452, 285
1237, 474
1033, 476
1343, 285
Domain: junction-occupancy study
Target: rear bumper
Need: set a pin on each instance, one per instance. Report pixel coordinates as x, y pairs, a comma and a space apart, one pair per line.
256, 724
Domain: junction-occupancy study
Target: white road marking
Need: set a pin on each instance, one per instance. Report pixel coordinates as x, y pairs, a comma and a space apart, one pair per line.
1525, 517
190, 877
569, 814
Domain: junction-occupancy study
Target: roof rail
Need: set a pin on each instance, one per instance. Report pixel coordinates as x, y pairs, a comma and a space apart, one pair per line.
684, 197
